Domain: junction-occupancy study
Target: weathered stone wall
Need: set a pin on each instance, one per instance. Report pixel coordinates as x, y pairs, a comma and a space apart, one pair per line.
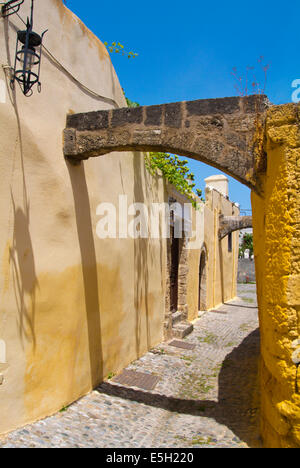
246, 270
276, 231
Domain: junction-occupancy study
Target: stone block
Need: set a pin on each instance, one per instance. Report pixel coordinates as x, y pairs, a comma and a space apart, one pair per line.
173, 115
213, 106
125, 116
153, 115
88, 121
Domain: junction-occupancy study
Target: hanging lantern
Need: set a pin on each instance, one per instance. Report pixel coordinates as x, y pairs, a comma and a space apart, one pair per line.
11, 7
28, 58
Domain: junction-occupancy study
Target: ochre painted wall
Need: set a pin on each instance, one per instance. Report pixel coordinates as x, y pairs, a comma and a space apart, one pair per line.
277, 257
221, 265
73, 307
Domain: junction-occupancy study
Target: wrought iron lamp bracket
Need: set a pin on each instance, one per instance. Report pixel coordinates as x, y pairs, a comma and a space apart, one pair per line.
28, 58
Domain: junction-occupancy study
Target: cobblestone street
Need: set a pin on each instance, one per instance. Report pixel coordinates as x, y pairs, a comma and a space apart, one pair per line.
206, 397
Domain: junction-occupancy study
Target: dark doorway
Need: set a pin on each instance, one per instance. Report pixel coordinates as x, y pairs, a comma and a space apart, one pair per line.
174, 271
202, 282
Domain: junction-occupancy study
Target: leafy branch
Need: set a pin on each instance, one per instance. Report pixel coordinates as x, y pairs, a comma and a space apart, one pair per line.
175, 171
131, 103
118, 48
247, 243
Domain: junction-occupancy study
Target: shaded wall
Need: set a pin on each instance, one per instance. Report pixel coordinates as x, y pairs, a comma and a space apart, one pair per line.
276, 231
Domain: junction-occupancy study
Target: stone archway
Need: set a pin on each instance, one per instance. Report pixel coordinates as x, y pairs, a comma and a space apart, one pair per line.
219, 132
202, 290
261, 151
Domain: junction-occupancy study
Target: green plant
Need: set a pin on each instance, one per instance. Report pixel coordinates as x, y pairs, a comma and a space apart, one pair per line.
247, 243
245, 327
247, 299
201, 440
131, 103
193, 385
231, 344
188, 360
199, 193
63, 409
118, 48
110, 375
176, 172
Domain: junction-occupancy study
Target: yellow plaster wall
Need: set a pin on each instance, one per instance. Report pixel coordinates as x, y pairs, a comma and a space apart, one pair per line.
222, 264
277, 252
73, 307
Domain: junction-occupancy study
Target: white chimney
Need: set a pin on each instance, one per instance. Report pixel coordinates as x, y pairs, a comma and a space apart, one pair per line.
219, 183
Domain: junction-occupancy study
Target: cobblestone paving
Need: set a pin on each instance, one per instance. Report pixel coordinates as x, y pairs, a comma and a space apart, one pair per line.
206, 397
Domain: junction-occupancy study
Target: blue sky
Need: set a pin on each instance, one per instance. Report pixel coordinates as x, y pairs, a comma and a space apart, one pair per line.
187, 51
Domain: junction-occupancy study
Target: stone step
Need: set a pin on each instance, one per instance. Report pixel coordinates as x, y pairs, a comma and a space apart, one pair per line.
176, 317
182, 329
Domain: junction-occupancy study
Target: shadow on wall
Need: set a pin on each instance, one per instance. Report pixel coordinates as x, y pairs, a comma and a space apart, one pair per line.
24, 274
144, 256
21, 255
238, 398
89, 269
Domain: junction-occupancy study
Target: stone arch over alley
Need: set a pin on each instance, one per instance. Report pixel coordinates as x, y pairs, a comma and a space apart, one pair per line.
219, 132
